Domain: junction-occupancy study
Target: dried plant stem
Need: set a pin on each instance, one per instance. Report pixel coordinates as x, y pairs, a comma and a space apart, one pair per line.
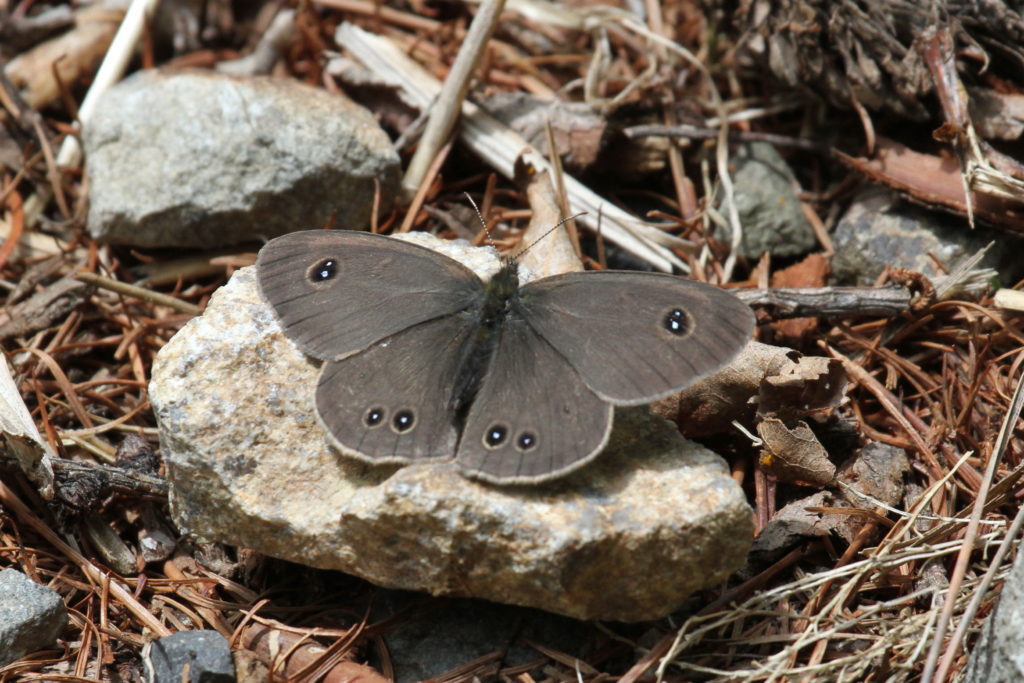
691, 132
421, 194
138, 292
447, 107
994, 566
804, 302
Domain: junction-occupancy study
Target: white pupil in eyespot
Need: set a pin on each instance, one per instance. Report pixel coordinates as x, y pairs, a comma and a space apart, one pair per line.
526, 441
325, 270
374, 417
677, 321
496, 435
403, 420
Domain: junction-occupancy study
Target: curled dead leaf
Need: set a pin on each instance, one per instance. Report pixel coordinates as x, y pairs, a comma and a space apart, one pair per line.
813, 386
762, 380
794, 455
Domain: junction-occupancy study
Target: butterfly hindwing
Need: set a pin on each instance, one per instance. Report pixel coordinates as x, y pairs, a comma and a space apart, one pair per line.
337, 291
532, 418
635, 337
392, 402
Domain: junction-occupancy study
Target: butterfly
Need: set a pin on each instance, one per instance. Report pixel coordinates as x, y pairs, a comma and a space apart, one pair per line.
424, 361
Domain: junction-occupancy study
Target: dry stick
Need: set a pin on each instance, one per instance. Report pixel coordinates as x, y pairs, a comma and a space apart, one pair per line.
8, 498
968, 543
701, 133
448, 105
120, 53
806, 302
274, 41
656, 22
111, 478
138, 292
421, 194
558, 178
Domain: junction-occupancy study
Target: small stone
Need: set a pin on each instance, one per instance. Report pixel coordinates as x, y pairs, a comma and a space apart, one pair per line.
31, 616
880, 230
628, 537
199, 159
206, 655
766, 201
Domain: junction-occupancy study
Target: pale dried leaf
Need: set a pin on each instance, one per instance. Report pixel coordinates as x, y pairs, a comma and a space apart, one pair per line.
794, 455
21, 437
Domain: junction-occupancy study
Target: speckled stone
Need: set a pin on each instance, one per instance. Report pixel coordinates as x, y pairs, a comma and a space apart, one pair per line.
194, 158
31, 616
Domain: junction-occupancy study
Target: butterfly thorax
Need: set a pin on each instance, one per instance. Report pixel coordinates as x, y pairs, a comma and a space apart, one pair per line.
499, 295
499, 299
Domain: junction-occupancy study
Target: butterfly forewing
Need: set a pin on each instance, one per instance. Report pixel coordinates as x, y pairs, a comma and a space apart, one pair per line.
533, 418
335, 291
392, 402
635, 337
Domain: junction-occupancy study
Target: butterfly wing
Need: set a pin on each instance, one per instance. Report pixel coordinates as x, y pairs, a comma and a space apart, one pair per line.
532, 418
635, 337
336, 291
392, 402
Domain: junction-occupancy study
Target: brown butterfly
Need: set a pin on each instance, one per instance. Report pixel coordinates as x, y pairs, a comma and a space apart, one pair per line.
425, 361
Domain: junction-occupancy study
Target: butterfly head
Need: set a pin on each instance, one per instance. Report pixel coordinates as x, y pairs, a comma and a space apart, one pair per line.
505, 283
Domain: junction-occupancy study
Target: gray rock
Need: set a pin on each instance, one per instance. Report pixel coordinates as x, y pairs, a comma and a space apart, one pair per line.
627, 537
199, 159
769, 209
31, 616
998, 656
879, 230
205, 653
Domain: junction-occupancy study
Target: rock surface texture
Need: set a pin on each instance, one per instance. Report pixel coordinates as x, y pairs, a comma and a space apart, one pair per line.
768, 206
627, 537
199, 159
31, 616
879, 231
201, 656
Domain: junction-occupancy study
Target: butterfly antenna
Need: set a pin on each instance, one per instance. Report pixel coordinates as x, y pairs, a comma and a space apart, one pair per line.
479, 215
556, 226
